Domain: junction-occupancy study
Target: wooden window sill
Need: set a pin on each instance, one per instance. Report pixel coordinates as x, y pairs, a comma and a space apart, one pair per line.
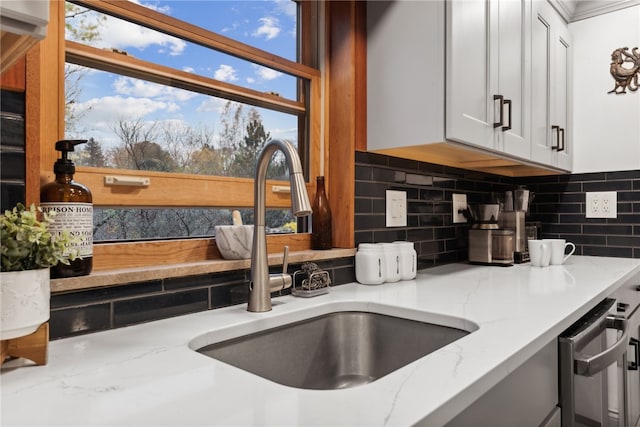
141, 274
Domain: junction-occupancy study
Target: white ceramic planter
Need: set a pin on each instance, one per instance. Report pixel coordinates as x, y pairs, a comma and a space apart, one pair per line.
24, 302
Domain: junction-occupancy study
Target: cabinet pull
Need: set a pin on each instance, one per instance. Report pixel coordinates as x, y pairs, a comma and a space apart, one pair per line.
633, 366
561, 131
501, 114
505, 128
557, 129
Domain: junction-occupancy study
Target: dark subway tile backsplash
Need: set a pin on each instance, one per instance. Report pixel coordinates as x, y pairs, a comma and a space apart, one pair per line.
93, 310
168, 304
429, 188
559, 205
79, 320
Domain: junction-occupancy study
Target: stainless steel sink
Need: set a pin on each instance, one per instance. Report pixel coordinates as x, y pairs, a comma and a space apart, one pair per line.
335, 350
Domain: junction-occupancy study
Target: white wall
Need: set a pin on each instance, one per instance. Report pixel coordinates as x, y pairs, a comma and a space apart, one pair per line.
607, 126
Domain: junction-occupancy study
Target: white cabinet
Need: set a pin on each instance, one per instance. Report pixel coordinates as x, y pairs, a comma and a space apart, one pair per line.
438, 73
487, 87
23, 23
551, 88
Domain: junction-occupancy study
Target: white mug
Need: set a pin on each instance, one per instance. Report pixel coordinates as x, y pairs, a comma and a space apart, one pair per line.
539, 252
558, 249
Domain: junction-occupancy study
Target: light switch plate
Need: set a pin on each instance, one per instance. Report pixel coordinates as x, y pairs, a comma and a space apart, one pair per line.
396, 208
459, 204
603, 204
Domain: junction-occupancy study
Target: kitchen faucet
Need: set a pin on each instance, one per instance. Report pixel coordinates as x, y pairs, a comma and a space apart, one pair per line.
263, 283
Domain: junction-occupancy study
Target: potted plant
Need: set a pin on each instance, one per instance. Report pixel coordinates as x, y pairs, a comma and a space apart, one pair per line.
28, 250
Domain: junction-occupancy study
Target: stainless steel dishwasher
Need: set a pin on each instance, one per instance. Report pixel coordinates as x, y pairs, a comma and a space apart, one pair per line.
584, 358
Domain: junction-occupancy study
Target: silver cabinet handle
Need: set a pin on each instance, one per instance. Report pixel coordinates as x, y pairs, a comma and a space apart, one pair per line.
591, 365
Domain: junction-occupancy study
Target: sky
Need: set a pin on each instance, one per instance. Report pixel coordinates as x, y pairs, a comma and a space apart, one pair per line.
106, 98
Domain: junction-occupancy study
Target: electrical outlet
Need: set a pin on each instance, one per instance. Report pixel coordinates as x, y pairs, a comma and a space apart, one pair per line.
396, 208
602, 204
459, 204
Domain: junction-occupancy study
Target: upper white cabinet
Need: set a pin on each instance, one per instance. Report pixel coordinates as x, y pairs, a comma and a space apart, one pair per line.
551, 59
487, 79
450, 82
22, 23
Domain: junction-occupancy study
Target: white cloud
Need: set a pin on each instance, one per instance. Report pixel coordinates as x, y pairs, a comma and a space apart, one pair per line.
120, 34
188, 69
270, 28
162, 9
124, 35
225, 73
265, 73
251, 80
231, 27
144, 89
287, 7
211, 105
109, 107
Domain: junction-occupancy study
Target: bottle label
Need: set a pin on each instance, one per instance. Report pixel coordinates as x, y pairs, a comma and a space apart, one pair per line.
77, 219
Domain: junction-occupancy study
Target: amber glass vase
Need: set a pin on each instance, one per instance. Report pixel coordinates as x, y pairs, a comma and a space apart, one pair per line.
321, 218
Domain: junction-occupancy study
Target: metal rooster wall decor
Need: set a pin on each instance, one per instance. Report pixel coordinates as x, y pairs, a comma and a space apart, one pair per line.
625, 78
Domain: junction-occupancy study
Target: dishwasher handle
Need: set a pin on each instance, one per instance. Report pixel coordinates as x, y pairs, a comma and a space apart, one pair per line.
591, 365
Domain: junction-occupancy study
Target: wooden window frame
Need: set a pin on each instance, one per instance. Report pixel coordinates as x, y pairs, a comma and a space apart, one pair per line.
342, 131
186, 189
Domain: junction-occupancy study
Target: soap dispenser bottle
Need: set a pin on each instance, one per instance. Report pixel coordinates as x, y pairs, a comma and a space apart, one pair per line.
72, 204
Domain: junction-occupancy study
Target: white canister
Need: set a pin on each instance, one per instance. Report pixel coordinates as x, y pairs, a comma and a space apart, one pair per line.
408, 260
392, 261
370, 264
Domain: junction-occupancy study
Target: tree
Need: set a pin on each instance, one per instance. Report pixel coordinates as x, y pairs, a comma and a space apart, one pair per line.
137, 149
81, 25
183, 143
247, 149
91, 155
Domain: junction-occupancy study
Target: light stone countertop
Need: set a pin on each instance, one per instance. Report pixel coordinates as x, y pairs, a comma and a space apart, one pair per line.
148, 374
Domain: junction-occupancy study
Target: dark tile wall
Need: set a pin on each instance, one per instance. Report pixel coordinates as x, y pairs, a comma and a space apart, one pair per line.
12, 154
429, 188
560, 206
93, 310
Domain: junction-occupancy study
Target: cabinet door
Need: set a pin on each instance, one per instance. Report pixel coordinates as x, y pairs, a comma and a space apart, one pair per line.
561, 110
513, 75
551, 125
541, 76
471, 79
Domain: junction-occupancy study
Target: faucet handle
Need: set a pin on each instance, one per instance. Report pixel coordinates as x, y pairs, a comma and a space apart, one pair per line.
285, 259
278, 282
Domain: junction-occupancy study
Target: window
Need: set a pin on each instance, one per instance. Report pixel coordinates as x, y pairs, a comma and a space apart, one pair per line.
193, 124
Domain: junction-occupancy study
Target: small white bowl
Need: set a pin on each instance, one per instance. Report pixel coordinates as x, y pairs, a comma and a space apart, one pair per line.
234, 241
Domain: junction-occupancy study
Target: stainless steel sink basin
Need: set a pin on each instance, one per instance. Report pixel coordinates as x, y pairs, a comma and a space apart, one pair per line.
335, 350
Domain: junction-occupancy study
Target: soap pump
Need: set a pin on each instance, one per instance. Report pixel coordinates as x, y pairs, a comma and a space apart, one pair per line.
72, 204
